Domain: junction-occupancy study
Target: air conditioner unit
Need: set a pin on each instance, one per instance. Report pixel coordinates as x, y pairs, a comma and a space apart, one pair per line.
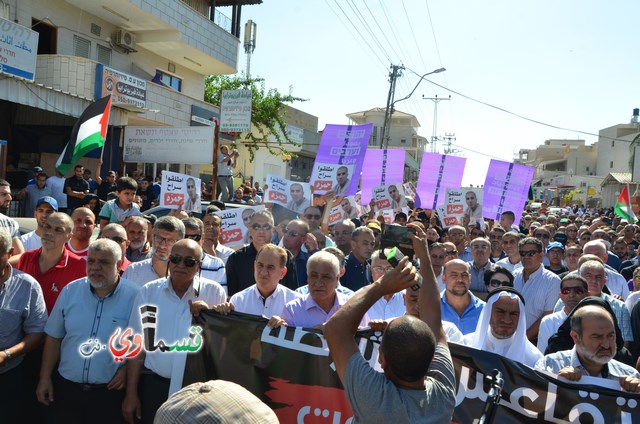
125, 39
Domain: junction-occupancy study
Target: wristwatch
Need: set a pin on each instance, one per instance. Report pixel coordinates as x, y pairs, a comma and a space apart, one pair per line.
6, 352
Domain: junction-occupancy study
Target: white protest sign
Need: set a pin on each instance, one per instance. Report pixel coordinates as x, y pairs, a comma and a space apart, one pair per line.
292, 195
168, 144
389, 197
235, 111
453, 209
180, 191
234, 230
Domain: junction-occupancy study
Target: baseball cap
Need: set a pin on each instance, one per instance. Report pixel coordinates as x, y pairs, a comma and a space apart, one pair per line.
555, 244
50, 201
214, 402
36, 169
374, 225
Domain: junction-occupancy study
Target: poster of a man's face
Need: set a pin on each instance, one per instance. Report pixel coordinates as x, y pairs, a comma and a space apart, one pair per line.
297, 193
471, 199
191, 188
342, 175
394, 193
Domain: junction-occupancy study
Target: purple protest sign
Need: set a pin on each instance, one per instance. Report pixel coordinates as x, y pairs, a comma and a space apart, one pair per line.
339, 159
506, 188
382, 167
437, 174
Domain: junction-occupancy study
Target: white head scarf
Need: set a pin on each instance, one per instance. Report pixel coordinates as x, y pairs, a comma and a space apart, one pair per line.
517, 347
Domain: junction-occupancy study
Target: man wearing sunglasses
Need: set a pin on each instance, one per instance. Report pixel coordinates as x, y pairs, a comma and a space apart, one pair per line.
117, 233
177, 297
573, 288
539, 286
212, 267
239, 266
166, 232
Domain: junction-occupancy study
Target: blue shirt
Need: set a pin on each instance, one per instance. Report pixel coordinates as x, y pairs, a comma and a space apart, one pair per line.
477, 277
466, 322
80, 315
357, 275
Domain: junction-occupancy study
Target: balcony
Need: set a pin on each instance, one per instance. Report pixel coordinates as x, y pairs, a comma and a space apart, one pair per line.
173, 30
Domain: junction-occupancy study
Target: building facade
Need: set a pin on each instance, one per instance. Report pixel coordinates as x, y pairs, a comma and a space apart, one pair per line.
153, 53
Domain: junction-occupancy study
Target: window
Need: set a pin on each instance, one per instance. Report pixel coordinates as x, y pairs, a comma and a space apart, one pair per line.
613, 143
587, 169
403, 140
374, 136
103, 54
611, 164
81, 47
170, 80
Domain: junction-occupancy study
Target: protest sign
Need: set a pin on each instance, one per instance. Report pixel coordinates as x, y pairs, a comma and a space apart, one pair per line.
382, 167
339, 159
506, 188
453, 208
437, 173
473, 199
389, 197
234, 228
180, 191
290, 194
291, 370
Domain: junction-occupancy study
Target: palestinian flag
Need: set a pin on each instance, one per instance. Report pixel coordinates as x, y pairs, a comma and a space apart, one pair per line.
88, 134
623, 206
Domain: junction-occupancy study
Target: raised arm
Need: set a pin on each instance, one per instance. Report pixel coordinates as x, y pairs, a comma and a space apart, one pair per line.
341, 327
429, 297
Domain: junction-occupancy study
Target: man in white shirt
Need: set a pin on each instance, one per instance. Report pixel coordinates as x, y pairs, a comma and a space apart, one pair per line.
176, 297
616, 283
573, 288
210, 237
166, 233
266, 298
212, 266
46, 206
390, 305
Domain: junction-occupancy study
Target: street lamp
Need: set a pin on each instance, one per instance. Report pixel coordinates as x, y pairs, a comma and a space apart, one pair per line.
390, 104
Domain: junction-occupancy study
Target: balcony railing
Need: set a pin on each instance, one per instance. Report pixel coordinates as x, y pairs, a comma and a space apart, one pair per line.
203, 7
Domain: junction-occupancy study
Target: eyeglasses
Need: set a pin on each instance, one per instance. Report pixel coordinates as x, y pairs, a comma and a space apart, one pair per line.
312, 216
529, 253
188, 261
293, 233
451, 252
117, 239
382, 269
194, 237
540, 235
497, 283
265, 227
576, 290
161, 240
480, 247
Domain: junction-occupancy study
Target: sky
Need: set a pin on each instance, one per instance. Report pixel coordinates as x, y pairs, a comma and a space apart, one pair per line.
570, 64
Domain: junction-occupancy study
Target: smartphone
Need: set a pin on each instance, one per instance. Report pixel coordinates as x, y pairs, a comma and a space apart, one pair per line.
393, 235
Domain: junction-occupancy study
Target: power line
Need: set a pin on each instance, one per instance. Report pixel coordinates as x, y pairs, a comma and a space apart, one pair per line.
406, 14
368, 28
535, 121
384, 34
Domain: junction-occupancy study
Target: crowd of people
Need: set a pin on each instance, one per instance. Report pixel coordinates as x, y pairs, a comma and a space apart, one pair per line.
557, 292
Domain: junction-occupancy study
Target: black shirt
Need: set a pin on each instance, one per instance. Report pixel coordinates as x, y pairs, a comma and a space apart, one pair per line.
76, 184
104, 189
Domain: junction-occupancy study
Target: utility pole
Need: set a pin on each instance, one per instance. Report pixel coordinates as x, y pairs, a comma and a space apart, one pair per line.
249, 43
434, 136
449, 137
396, 71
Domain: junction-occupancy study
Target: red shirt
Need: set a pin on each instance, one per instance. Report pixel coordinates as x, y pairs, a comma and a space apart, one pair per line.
70, 267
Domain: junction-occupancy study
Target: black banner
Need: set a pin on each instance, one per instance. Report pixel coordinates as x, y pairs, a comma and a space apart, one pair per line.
290, 369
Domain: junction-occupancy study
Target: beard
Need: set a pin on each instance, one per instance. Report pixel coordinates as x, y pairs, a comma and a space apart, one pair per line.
594, 357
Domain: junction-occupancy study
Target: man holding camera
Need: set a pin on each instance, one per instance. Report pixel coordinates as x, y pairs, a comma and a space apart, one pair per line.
226, 164
411, 349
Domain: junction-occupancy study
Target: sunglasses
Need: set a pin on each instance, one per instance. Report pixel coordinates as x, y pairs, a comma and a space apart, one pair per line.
293, 233
497, 283
576, 290
188, 261
529, 253
265, 227
544, 236
451, 252
312, 216
117, 239
194, 237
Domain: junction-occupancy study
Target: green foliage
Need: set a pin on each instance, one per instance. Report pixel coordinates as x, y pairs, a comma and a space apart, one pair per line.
267, 114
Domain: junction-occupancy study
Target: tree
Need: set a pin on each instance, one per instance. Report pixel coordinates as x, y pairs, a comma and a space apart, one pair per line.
267, 113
